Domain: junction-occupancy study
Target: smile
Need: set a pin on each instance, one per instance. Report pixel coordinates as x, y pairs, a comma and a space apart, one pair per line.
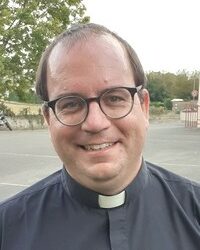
95, 147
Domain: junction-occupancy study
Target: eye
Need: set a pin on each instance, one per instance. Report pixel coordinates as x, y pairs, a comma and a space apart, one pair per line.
70, 104
115, 97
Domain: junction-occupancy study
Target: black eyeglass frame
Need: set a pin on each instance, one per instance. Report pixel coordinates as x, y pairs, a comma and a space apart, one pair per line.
132, 91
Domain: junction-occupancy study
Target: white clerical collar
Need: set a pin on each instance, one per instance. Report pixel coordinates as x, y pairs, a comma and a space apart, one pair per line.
92, 199
111, 201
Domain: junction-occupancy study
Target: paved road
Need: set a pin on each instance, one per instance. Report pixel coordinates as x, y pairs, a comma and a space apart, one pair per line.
28, 156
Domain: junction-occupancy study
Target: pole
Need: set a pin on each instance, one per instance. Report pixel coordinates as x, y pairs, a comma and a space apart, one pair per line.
194, 89
198, 107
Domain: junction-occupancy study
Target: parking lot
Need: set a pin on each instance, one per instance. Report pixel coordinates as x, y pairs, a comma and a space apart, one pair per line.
27, 156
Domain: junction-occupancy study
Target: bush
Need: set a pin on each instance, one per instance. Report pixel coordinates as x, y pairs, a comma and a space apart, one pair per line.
157, 104
157, 110
168, 104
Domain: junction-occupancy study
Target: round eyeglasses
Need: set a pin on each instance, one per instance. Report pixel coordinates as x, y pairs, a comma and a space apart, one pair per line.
115, 103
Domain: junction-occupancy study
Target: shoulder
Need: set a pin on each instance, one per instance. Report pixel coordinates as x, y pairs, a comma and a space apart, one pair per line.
175, 187
169, 177
33, 192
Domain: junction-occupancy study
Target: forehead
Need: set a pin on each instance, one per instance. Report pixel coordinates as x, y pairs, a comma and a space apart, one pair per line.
95, 60
71, 49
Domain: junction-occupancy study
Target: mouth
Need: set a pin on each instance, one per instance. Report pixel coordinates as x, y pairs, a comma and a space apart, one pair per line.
97, 147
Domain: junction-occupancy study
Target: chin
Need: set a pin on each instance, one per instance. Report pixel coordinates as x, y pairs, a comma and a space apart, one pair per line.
104, 172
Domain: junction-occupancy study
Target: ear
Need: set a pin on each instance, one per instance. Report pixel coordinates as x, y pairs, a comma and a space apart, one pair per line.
145, 103
45, 112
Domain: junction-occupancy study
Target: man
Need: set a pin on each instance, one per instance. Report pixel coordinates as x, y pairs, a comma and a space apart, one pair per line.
106, 196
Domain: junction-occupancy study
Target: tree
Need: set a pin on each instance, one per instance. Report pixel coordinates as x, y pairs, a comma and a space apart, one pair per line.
157, 87
183, 86
166, 86
26, 27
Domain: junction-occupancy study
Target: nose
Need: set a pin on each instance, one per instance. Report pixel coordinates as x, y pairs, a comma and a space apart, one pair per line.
96, 120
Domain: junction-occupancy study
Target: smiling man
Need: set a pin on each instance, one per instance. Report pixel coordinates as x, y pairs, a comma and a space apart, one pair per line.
106, 196
89, 136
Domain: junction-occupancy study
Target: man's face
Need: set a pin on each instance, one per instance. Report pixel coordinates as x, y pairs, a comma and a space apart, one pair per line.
101, 154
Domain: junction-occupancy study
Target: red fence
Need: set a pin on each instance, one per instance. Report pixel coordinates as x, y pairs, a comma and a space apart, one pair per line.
191, 115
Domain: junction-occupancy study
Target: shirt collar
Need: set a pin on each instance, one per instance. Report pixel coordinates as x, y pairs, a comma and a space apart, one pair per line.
90, 198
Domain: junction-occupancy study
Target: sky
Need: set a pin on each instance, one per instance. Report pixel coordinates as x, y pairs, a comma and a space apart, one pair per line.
164, 33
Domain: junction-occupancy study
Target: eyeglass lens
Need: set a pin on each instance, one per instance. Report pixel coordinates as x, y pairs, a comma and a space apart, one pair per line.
114, 103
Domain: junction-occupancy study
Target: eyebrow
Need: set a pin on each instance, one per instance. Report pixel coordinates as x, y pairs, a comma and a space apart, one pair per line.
84, 96
67, 94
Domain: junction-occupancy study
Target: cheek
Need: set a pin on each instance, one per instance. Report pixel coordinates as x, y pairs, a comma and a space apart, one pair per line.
134, 129
60, 136
140, 121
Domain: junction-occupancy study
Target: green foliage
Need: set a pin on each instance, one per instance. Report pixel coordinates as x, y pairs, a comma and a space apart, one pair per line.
166, 86
183, 87
157, 87
168, 104
26, 27
157, 104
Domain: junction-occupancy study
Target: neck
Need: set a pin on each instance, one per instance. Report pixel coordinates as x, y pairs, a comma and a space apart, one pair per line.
114, 185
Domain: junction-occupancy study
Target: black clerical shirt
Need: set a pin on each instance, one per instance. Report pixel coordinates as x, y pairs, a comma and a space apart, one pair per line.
160, 211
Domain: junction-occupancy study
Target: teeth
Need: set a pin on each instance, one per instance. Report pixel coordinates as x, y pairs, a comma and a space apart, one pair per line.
98, 146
